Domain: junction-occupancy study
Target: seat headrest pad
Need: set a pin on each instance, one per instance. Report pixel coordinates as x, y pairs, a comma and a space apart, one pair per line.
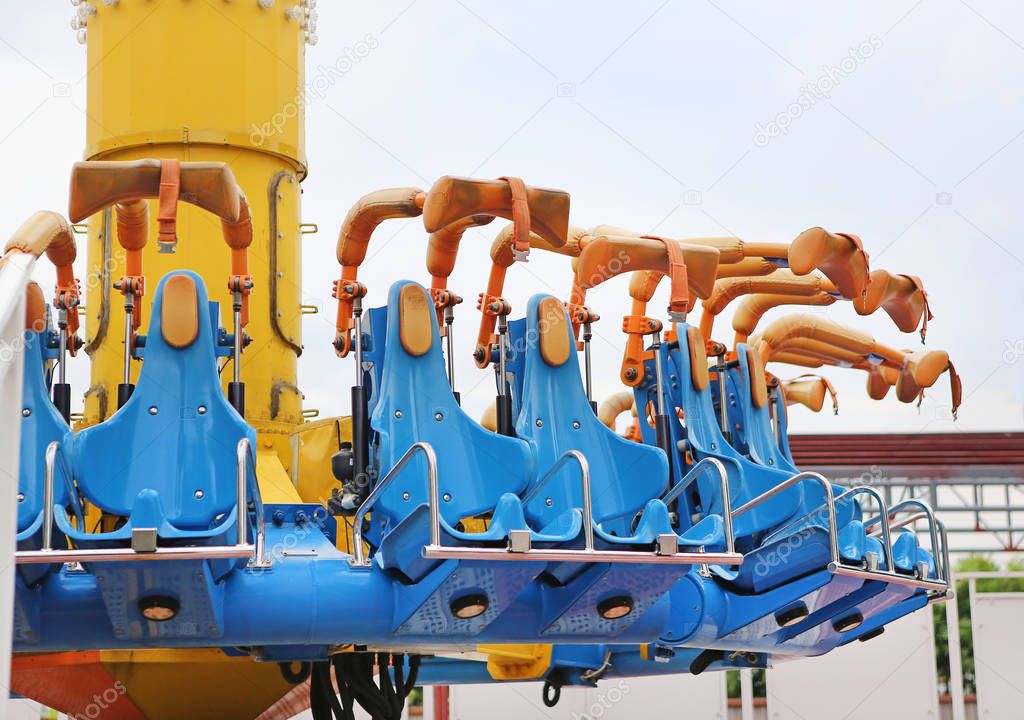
698, 359
179, 313
415, 320
758, 387
553, 327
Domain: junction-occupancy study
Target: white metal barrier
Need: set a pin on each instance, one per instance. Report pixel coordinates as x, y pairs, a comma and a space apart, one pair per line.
14, 277
998, 635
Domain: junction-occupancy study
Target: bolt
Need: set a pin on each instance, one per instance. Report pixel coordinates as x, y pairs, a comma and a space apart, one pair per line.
540, 423
21, 497
405, 495
26, 412
439, 416
447, 497
199, 494
202, 409
631, 373
548, 502
398, 414
300, 517
278, 517
153, 410
575, 425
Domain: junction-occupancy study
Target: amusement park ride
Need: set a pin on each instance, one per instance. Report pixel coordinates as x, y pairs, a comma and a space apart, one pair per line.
194, 538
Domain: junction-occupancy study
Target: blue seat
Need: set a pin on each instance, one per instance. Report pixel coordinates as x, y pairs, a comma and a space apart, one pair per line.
555, 416
167, 459
479, 471
41, 425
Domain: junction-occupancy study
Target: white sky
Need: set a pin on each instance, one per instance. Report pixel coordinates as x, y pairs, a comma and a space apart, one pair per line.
647, 113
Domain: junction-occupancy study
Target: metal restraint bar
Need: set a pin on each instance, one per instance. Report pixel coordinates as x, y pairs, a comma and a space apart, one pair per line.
835, 565
588, 554
241, 549
699, 467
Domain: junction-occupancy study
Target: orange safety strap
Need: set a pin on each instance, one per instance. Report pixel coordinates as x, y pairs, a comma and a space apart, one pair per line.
859, 245
927, 308
679, 299
956, 388
170, 190
520, 217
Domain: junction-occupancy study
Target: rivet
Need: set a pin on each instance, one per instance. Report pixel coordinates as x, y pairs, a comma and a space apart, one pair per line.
547, 502
199, 494
540, 423
21, 497
153, 410
439, 417
202, 409
405, 496
447, 497
26, 412
575, 425
398, 414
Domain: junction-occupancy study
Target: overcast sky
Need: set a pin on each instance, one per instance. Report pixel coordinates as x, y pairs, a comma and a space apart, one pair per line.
899, 121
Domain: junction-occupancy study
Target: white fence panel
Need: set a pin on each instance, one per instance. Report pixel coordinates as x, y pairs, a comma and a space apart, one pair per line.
892, 675
678, 697
998, 638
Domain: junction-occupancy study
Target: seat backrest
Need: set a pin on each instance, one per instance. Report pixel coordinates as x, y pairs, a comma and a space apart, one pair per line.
555, 416
705, 439
753, 401
415, 403
177, 435
41, 424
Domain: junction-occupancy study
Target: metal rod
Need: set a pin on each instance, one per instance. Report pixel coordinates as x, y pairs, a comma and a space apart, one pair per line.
904, 506
62, 325
259, 558
587, 336
659, 372
723, 411
357, 315
449, 344
237, 309
129, 311
378, 490
773, 404
502, 354
439, 552
889, 577
51, 461
44, 557
956, 674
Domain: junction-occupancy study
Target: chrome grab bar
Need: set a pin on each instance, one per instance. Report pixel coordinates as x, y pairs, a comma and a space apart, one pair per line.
246, 455
359, 556
833, 532
676, 490
588, 509
240, 549
938, 552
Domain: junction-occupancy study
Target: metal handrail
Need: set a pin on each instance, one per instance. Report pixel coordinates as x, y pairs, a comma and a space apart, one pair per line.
588, 509
676, 490
359, 557
833, 532
55, 451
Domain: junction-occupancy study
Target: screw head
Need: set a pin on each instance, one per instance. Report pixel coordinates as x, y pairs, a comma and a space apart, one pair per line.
199, 494
202, 409
540, 423
398, 414
547, 501
631, 373
439, 416
153, 410
447, 497
405, 495
575, 425
26, 412
21, 497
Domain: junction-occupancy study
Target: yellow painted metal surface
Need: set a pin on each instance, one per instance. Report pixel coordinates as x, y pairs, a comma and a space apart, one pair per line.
203, 81
200, 683
517, 662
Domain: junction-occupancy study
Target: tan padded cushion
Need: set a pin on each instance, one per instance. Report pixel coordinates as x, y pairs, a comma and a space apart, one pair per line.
179, 314
699, 375
810, 393
758, 387
554, 332
415, 320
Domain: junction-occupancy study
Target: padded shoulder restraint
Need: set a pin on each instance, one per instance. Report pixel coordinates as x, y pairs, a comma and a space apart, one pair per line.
416, 320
